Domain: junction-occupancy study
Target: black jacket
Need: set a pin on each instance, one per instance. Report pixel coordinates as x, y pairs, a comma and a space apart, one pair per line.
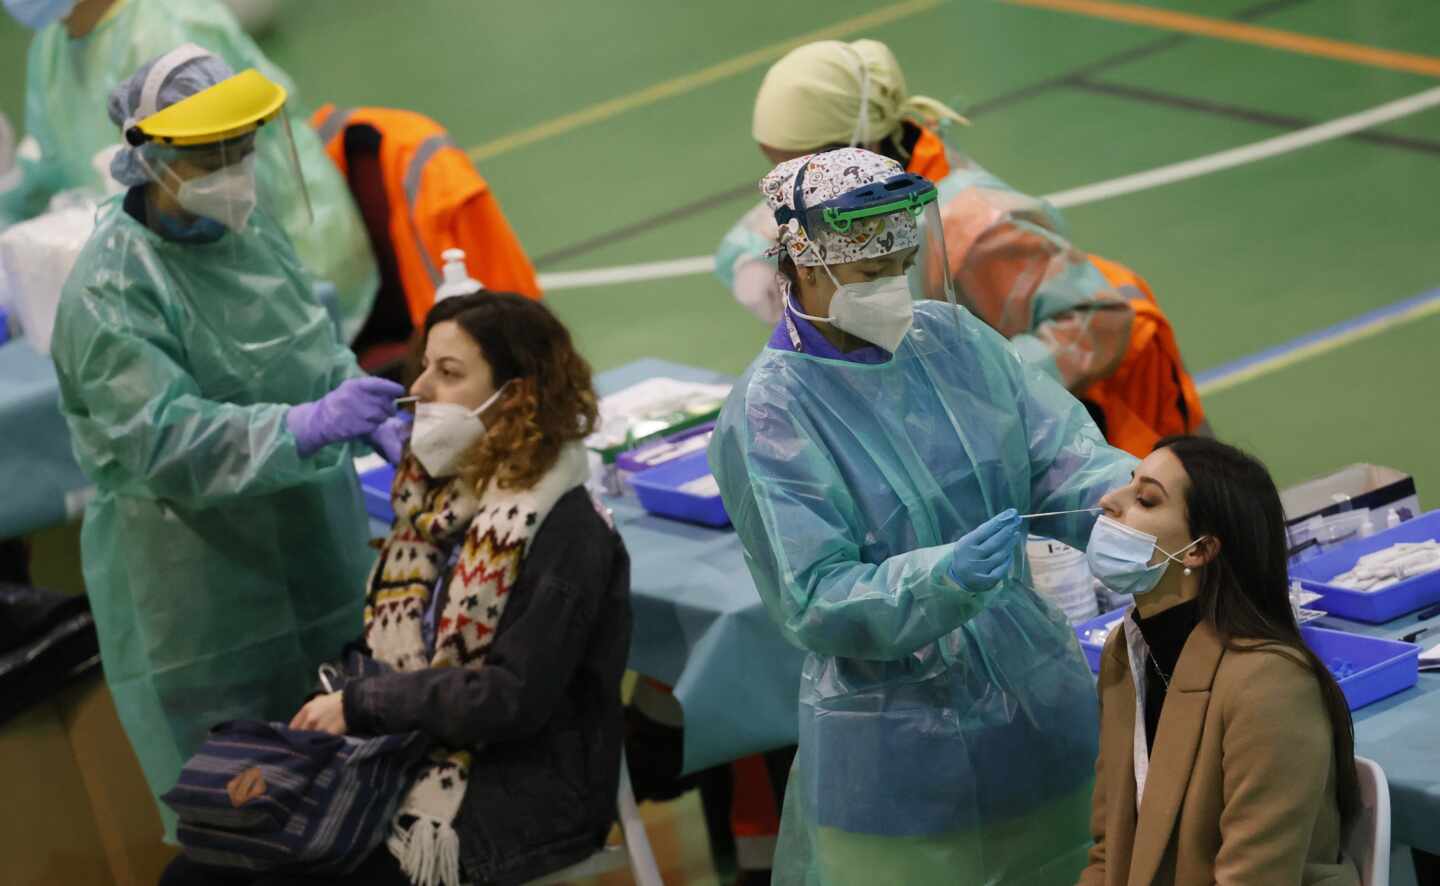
543, 714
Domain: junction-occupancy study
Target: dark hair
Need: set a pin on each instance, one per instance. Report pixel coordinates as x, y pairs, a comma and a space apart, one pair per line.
785, 267
361, 138
552, 402
1244, 590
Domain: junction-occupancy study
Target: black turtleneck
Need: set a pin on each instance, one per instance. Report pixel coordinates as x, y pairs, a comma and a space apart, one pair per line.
1165, 633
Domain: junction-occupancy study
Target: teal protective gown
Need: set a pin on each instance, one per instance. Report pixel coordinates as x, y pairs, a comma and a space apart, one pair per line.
68, 82
222, 567
946, 735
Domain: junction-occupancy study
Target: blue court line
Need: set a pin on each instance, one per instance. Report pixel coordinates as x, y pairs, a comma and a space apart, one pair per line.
1319, 342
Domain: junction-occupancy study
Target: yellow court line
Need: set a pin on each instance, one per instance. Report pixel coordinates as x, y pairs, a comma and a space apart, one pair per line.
680, 85
1271, 38
1319, 348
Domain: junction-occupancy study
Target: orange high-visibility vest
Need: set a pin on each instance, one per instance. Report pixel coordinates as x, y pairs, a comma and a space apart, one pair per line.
438, 201
928, 157
1150, 395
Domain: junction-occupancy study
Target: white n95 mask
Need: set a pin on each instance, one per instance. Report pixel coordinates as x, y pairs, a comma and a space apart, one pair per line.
444, 432
1119, 556
879, 311
226, 195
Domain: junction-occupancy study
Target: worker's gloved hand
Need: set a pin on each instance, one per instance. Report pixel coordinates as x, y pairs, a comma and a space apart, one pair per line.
985, 554
355, 409
389, 439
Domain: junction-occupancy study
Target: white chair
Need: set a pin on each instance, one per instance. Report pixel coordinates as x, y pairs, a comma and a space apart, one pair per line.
1369, 843
636, 851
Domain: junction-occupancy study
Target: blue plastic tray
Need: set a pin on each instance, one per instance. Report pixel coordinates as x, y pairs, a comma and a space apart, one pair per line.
653, 455
1367, 668
1375, 607
1377, 668
375, 488
659, 492
1092, 650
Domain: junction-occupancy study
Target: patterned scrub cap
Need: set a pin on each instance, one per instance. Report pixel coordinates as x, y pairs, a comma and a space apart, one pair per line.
828, 176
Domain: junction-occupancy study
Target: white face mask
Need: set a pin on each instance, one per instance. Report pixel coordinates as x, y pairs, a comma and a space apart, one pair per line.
879, 311
1119, 556
444, 432
226, 195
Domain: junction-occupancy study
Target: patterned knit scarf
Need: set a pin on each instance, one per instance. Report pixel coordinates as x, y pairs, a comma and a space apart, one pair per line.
494, 531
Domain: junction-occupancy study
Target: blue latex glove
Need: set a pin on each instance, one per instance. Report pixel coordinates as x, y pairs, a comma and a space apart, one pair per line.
354, 410
985, 554
390, 438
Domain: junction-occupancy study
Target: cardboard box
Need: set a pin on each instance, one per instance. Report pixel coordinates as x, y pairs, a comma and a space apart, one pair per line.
1335, 504
1351, 487
47, 835
78, 810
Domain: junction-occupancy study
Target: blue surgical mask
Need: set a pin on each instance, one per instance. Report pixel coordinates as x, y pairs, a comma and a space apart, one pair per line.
1119, 556
37, 14
198, 231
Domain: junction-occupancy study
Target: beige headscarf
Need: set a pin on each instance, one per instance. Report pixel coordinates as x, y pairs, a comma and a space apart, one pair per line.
814, 96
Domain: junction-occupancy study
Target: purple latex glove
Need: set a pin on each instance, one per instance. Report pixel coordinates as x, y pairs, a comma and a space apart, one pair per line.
390, 438
353, 410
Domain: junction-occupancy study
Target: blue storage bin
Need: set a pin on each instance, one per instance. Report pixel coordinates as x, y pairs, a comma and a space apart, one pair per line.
1373, 667
660, 452
661, 492
1092, 650
1372, 607
375, 488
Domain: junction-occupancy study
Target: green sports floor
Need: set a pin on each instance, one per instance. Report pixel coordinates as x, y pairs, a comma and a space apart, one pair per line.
617, 134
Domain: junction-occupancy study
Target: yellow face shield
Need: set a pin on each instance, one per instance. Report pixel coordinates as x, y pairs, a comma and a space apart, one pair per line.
231, 108
205, 147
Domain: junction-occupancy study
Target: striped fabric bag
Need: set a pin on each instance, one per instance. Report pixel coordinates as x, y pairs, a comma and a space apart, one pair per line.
263, 797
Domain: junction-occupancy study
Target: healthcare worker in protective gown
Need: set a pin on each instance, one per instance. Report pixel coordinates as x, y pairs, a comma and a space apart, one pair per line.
1089, 322
82, 50
210, 400
875, 460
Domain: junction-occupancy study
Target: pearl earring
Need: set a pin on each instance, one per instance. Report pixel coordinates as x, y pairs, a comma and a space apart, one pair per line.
1189, 571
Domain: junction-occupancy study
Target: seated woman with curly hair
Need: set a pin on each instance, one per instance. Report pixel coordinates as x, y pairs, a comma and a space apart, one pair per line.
501, 602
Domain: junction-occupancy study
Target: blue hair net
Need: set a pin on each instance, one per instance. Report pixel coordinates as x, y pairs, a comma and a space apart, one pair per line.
186, 70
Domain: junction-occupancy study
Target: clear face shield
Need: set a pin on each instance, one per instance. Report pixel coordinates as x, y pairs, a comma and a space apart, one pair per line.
1013, 272
882, 247
216, 156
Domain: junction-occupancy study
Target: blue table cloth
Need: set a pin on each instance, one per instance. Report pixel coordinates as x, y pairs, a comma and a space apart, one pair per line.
699, 624
40, 483
1402, 734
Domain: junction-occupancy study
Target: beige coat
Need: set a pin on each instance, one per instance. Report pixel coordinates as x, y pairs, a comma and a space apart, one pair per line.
1241, 786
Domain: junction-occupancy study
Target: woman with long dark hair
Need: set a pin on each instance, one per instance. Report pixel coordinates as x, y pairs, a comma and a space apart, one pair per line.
1226, 747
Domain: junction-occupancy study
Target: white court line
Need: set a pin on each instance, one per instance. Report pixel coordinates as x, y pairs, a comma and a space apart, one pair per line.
1126, 184
655, 270
1270, 147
